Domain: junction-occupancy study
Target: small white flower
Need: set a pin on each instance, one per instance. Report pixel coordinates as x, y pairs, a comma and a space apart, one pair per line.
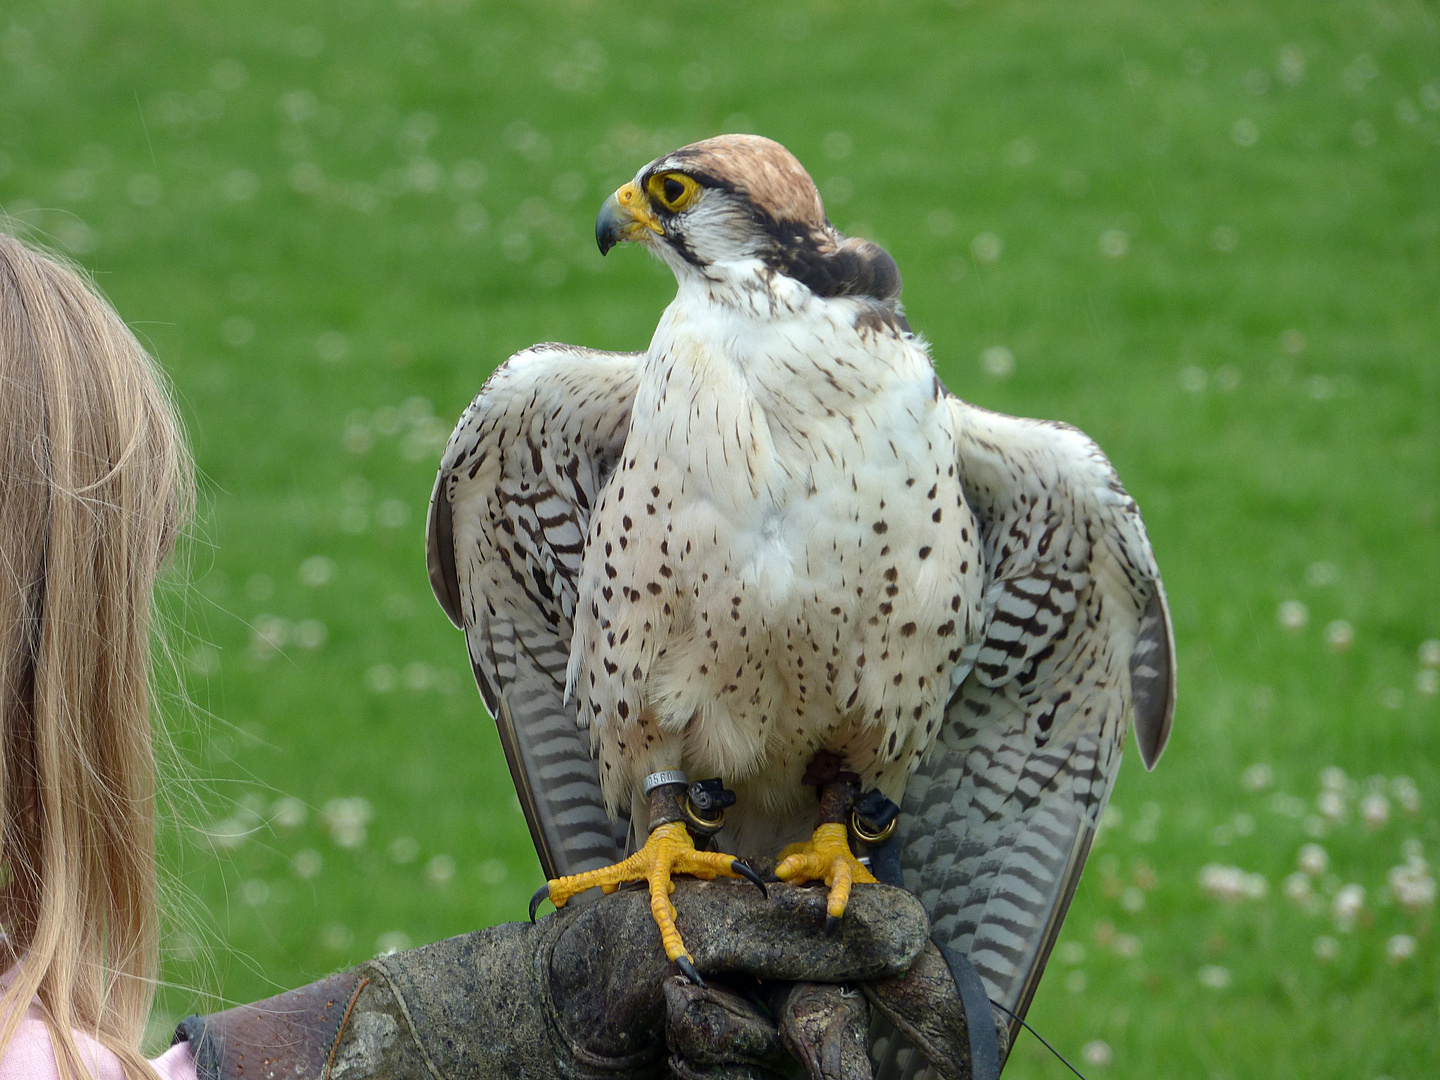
998, 362
1114, 243
1193, 379
404, 849
1214, 976
1255, 887
269, 634
1430, 653
311, 633
1340, 635
306, 863
288, 812
1331, 805
1374, 810
1326, 948
1333, 778
1293, 615
1257, 777
1126, 945
440, 870
1293, 343
1400, 948
1227, 883
255, 892
381, 678
1349, 901
493, 871
1313, 860
1291, 67
1098, 1053
317, 570
418, 675
346, 820
1297, 888
356, 438
1227, 378
1412, 886
987, 247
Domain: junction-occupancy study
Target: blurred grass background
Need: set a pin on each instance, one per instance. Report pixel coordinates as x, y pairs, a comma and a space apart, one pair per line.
1207, 233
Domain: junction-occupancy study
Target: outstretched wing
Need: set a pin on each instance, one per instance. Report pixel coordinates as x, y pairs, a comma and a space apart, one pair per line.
998, 820
508, 521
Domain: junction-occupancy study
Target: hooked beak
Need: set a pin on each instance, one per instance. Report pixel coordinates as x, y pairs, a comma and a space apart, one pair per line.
625, 216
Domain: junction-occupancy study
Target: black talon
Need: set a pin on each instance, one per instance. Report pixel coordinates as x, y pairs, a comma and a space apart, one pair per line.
751, 876
541, 894
688, 970
832, 923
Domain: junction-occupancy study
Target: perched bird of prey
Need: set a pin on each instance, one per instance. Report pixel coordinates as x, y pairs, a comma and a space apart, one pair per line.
775, 550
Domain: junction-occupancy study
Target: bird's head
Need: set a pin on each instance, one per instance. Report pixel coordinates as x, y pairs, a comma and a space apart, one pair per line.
728, 202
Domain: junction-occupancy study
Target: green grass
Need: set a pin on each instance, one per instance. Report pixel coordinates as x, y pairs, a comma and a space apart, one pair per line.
277, 196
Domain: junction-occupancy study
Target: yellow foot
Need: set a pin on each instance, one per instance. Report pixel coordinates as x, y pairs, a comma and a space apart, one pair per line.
828, 858
669, 850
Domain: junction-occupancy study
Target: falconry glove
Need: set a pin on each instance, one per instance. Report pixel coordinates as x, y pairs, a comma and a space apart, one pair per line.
586, 994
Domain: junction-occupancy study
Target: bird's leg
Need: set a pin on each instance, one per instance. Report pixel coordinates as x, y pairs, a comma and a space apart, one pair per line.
827, 856
675, 811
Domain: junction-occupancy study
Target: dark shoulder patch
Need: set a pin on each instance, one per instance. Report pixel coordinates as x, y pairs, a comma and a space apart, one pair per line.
832, 265
880, 316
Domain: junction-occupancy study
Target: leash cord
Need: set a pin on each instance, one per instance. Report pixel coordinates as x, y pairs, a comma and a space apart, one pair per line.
1042, 1038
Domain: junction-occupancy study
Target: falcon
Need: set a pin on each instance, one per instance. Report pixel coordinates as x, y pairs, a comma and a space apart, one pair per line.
774, 550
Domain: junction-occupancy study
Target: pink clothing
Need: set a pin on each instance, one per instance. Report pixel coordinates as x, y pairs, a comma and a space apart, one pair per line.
31, 1057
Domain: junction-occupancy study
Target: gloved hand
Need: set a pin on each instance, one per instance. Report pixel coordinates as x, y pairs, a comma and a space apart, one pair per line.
588, 993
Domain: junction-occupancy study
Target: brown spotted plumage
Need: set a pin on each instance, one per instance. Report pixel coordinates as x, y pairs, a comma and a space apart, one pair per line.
775, 533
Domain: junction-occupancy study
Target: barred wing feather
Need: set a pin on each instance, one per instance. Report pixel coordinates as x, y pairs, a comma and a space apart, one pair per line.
999, 818
507, 527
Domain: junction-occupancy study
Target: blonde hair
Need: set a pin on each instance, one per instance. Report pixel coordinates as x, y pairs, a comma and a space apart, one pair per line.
95, 485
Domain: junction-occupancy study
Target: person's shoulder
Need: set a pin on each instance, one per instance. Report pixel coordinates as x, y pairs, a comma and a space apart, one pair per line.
31, 1054
177, 1063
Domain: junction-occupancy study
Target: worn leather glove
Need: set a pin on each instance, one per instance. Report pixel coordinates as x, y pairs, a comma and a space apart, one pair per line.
588, 993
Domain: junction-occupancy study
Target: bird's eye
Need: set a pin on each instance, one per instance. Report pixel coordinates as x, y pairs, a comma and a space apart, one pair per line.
673, 191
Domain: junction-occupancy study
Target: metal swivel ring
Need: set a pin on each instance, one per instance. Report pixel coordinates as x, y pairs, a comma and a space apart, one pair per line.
873, 818
705, 805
